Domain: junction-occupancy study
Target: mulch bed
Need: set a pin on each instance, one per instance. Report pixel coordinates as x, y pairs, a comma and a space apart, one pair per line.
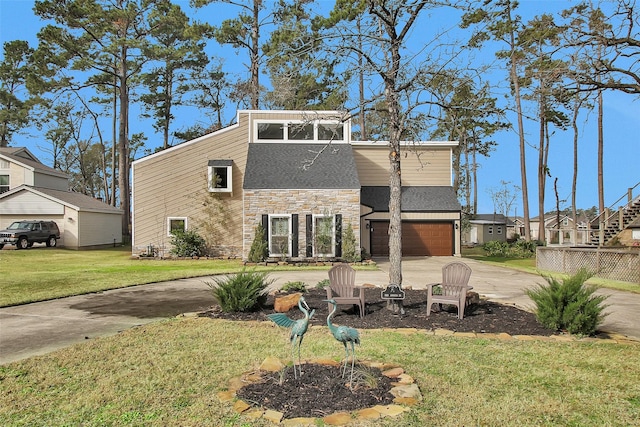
321, 390
483, 317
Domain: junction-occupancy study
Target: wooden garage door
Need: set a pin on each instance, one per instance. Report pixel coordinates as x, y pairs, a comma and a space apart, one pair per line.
418, 239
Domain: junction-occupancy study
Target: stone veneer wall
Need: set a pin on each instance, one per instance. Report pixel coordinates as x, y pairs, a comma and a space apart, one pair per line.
301, 202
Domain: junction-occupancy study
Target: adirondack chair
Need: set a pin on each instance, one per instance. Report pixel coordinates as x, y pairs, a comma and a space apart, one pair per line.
455, 284
342, 288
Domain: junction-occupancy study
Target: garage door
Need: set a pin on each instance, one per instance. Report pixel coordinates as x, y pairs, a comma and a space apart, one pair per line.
418, 239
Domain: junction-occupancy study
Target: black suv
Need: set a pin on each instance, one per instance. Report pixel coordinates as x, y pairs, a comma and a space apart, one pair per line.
24, 234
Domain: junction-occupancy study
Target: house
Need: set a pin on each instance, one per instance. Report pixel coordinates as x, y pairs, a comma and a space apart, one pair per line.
485, 228
300, 176
561, 233
31, 190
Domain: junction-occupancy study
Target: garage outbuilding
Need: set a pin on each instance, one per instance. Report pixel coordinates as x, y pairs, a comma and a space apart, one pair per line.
84, 222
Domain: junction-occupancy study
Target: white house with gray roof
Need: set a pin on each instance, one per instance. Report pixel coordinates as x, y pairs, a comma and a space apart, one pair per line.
32, 190
301, 177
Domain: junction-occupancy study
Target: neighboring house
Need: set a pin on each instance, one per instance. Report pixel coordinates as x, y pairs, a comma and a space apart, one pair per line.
300, 176
31, 190
558, 235
486, 228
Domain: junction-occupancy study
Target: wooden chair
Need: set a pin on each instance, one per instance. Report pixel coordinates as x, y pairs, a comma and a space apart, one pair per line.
455, 284
342, 288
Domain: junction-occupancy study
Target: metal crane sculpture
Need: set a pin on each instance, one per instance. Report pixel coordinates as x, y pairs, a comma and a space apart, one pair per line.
298, 329
345, 335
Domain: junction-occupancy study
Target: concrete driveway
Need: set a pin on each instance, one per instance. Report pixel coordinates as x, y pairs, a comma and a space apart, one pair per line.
39, 328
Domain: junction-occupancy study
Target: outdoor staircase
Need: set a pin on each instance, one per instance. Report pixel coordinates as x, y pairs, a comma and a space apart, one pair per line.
606, 226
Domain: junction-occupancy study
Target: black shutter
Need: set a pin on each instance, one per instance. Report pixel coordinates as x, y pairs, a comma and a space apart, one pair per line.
309, 235
265, 227
294, 235
338, 235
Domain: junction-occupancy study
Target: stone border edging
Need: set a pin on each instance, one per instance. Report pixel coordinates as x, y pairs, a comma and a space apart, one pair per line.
404, 389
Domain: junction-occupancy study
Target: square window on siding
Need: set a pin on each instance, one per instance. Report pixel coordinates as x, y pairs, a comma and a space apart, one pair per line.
219, 176
176, 224
4, 164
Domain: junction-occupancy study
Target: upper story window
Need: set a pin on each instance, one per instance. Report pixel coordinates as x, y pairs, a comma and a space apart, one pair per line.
219, 176
4, 183
298, 131
4, 164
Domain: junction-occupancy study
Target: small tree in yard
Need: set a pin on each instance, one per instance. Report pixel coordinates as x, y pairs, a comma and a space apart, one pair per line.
569, 305
349, 248
259, 250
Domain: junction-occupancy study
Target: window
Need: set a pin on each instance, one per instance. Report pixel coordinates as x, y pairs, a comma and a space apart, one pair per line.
279, 235
4, 183
271, 130
324, 235
299, 131
219, 176
176, 224
499, 230
330, 132
490, 229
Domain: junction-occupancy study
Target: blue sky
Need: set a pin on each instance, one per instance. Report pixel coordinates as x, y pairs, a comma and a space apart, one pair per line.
621, 129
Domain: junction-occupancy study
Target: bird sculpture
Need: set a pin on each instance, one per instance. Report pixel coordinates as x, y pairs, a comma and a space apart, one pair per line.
298, 329
345, 335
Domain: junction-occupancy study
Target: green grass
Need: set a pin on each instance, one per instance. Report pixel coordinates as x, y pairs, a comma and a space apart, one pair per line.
47, 273
168, 374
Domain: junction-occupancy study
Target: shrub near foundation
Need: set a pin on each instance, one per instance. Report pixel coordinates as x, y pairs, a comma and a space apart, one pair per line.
569, 305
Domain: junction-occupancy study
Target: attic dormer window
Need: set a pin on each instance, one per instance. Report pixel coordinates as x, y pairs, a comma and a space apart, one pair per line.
219, 176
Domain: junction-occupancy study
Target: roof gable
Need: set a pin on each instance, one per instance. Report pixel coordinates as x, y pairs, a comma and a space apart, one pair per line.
77, 201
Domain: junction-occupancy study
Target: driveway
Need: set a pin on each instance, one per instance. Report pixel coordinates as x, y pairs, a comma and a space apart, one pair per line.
40, 328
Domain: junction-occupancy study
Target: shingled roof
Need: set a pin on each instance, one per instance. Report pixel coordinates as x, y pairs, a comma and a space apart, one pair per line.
414, 199
78, 201
24, 157
300, 166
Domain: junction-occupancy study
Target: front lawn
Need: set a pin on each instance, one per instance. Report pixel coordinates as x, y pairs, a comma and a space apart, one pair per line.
42, 273
168, 374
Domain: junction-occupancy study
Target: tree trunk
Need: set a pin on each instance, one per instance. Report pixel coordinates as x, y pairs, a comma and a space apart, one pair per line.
255, 55
523, 163
542, 167
123, 146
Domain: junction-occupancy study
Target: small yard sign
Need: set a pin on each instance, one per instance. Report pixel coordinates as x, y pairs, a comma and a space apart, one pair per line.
392, 292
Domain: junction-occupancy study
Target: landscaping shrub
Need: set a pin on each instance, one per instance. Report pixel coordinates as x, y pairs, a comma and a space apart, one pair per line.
349, 250
244, 291
569, 305
187, 243
496, 248
259, 250
322, 284
294, 287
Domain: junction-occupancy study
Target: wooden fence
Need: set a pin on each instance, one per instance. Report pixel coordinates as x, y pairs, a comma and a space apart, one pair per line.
614, 264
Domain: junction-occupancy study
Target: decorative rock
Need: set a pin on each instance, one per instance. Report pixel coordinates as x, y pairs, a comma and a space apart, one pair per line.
285, 303
236, 384
393, 373
254, 414
405, 379
337, 419
240, 406
368, 414
390, 410
226, 396
273, 416
271, 364
295, 422
408, 401
408, 390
